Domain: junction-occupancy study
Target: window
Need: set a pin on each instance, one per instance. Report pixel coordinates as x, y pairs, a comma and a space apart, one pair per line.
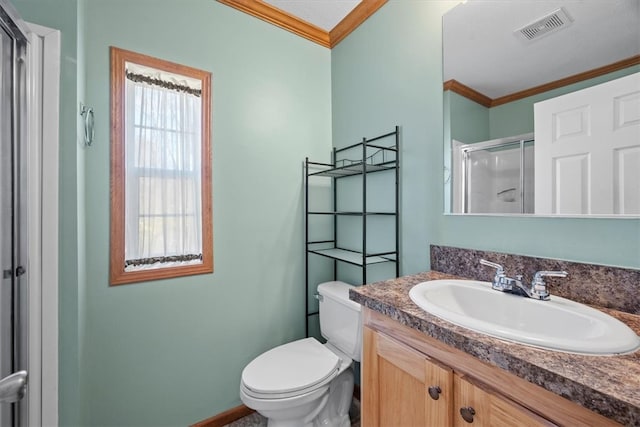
161, 221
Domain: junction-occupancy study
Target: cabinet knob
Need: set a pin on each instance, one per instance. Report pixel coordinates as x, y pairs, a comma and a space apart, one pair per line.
467, 413
434, 392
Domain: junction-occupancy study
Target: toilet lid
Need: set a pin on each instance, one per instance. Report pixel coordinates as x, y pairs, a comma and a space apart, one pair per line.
291, 367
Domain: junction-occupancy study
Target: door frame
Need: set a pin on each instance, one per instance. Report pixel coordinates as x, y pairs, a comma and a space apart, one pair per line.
42, 181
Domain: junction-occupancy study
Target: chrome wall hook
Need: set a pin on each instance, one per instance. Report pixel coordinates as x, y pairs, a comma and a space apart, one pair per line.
87, 115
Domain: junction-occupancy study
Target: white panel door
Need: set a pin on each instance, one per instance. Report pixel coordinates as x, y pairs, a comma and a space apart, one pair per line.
587, 150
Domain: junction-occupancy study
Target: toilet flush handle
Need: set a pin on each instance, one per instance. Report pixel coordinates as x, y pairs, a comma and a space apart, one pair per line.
318, 297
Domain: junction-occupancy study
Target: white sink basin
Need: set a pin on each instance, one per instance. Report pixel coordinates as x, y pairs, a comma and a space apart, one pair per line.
558, 324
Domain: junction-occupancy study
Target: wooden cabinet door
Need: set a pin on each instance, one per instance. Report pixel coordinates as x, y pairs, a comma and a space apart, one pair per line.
395, 385
439, 394
477, 405
470, 404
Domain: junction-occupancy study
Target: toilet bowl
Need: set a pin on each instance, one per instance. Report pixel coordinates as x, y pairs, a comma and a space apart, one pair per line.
305, 383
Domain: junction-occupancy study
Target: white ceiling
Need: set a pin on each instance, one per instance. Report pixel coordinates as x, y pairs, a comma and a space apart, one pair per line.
325, 14
482, 52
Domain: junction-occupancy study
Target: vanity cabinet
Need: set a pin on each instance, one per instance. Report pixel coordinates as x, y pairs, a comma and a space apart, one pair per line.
395, 383
410, 379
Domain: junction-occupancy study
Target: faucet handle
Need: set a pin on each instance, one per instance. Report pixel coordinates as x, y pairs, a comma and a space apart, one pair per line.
499, 280
538, 277
498, 267
539, 286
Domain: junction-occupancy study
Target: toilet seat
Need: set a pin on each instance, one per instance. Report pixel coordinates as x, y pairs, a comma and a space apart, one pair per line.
290, 370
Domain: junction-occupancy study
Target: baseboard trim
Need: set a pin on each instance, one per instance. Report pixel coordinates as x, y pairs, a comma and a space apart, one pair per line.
226, 417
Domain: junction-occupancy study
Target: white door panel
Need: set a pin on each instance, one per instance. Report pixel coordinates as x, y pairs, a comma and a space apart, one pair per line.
586, 153
627, 167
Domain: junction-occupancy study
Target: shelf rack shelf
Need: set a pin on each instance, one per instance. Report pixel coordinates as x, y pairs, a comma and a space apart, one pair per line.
372, 157
353, 257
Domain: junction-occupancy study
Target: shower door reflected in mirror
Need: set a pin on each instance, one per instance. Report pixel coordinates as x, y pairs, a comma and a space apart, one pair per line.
494, 176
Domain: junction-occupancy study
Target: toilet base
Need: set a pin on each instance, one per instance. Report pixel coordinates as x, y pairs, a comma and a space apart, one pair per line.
336, 412
327, 407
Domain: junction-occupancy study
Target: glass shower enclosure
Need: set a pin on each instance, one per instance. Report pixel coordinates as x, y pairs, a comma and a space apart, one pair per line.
494, 177
13, 244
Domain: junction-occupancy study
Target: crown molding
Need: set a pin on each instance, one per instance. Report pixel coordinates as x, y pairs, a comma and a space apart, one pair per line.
576, 78
472, 94
467, 92
282, 19
357, 16
291, 23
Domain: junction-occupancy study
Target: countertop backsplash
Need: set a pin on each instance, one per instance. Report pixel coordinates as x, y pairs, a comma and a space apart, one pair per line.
599, 285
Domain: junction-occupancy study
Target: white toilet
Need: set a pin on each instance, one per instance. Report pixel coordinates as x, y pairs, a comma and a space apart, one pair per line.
305, 383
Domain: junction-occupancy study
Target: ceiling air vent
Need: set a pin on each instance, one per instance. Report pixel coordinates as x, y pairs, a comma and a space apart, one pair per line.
555, 21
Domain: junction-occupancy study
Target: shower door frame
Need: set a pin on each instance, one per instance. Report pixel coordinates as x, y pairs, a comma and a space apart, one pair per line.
43, 222
15, 268
38, 144
465, 150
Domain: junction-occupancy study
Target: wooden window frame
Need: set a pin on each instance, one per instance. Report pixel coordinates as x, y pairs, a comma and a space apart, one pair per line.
117, 273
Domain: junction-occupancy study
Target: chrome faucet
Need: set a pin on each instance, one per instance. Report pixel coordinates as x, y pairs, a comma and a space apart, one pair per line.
500, 280
537, 289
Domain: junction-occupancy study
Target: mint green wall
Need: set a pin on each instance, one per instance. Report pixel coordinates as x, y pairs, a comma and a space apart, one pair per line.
390, 71
62, 15
469, 120
171, 352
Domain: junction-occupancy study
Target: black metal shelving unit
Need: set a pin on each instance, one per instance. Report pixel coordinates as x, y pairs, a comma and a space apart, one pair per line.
378, 154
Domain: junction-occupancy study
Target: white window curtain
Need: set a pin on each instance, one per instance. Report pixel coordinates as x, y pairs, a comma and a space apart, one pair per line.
163, 177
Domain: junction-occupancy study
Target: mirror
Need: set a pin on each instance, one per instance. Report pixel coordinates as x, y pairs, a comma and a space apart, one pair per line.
502, 57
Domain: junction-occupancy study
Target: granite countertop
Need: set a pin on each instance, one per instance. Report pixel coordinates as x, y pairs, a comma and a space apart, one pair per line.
609, 385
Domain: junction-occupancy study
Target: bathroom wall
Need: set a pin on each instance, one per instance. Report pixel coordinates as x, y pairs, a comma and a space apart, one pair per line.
171, 352
387, 73
469, 121
390, 71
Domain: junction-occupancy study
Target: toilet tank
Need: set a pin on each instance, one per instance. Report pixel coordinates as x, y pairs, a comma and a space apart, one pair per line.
340, 318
